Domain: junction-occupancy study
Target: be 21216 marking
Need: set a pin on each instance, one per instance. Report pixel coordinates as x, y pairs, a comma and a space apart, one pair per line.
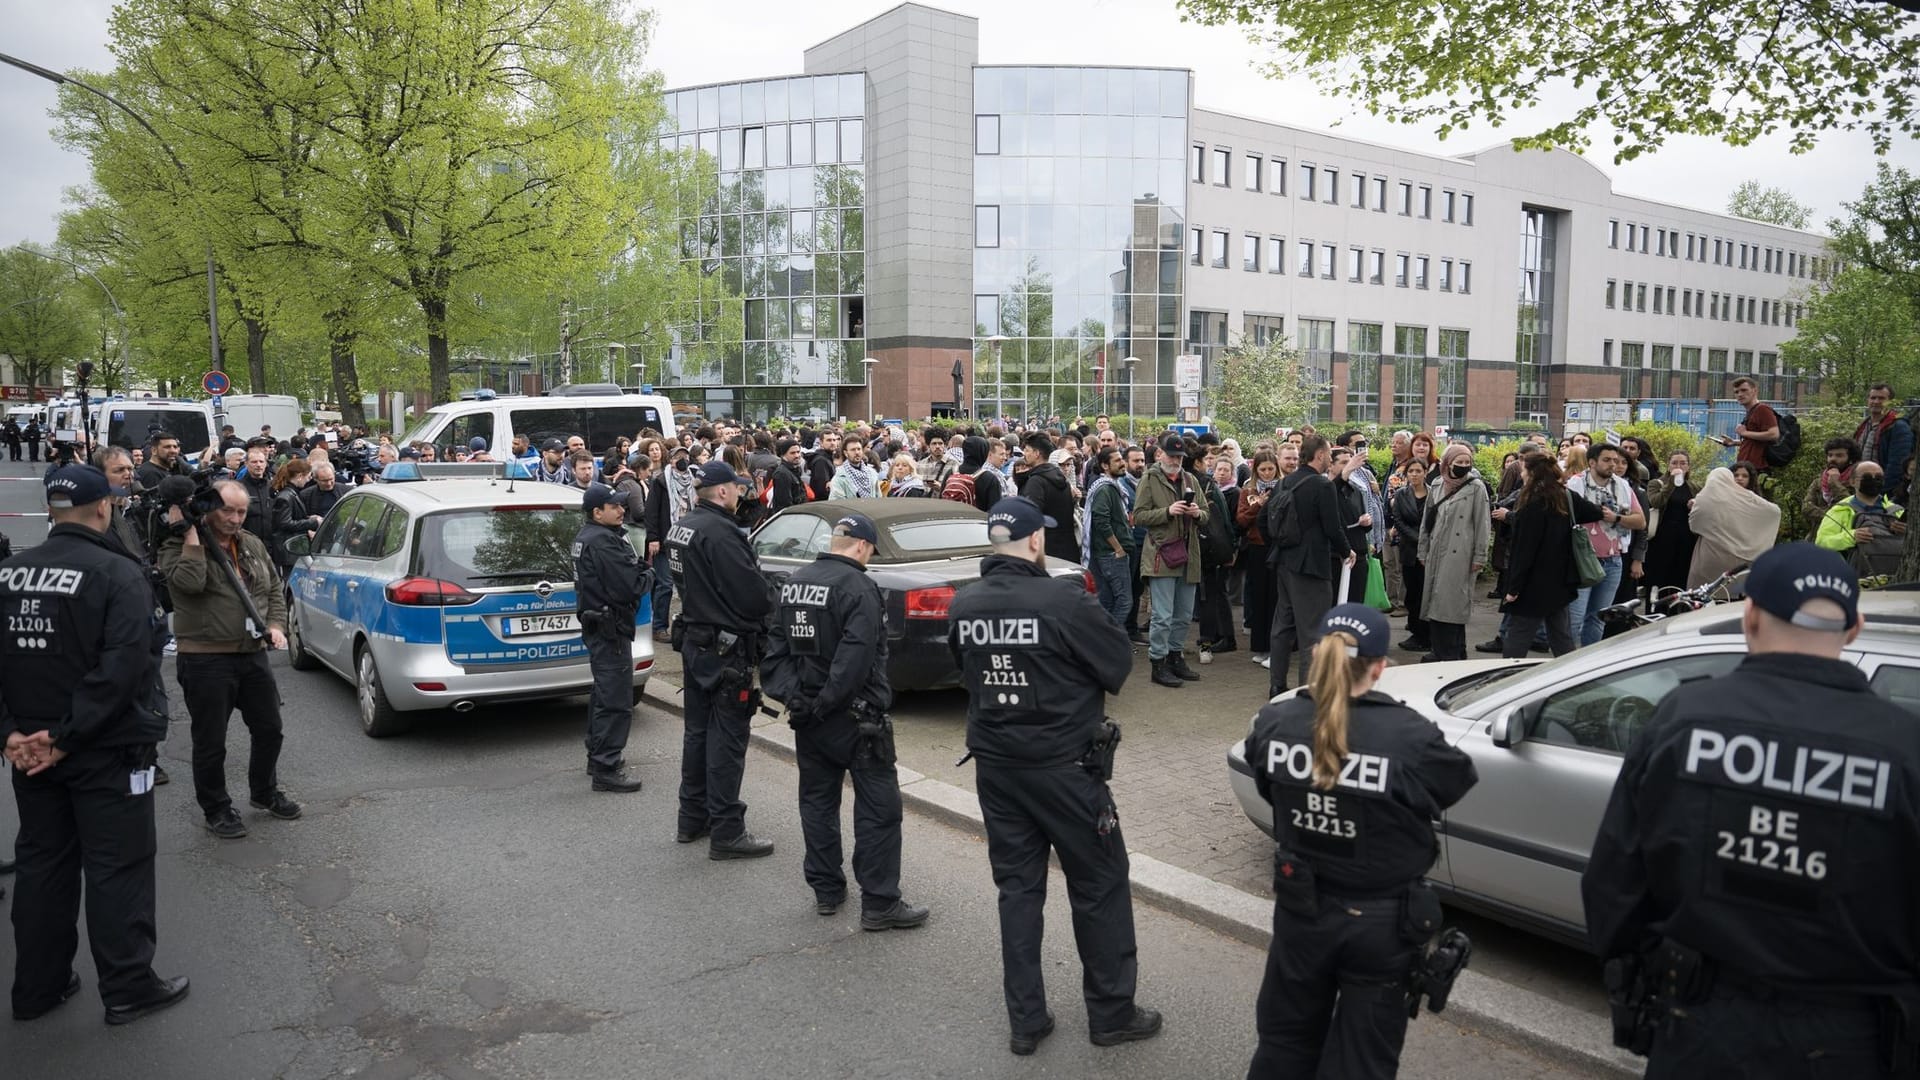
1770, 844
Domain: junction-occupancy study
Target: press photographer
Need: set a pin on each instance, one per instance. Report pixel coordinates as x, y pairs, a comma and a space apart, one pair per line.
222, 580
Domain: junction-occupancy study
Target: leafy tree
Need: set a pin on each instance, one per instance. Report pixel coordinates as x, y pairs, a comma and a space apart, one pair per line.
1263, 386
1735, 70
1773, 205
1881, 231
41, 323
1859, 330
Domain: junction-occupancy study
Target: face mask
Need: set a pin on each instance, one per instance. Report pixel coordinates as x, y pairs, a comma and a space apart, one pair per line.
1870, 486
1459, 471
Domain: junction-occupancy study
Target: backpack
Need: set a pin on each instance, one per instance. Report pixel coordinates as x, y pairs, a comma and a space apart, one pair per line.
1780, 452
959, 488
1279, 525
1216, 536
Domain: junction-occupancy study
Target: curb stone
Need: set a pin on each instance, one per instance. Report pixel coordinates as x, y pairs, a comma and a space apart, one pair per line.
1555, 1031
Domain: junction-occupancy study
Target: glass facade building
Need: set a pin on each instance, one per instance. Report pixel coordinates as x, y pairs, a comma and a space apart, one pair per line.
1079, 216
779, 322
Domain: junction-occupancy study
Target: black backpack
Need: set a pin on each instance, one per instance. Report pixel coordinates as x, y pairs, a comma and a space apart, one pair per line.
1216, 536
1780, 452
1279, 525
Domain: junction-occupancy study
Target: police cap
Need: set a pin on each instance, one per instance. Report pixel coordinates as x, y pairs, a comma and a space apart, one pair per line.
597, 496
1016, 518
76, 485
1784, 578
1368, 628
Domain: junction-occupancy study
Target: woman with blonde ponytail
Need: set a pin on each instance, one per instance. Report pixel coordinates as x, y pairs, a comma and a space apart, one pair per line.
1356, 779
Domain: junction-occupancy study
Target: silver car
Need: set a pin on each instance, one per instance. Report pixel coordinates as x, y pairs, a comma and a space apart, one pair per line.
445, 593
1548, 736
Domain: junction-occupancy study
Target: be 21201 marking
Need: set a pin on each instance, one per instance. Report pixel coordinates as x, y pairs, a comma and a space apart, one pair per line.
1770, 845
1001, 672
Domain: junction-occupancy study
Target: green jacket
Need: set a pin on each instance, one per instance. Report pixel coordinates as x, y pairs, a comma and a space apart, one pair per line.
1836, 528
207, 615
1108, 518
1150, 503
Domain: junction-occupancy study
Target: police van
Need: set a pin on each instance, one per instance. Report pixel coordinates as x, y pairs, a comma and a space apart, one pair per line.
434, 593
130, 422
601, 419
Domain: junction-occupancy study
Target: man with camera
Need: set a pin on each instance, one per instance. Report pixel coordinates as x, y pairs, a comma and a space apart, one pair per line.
827, 661
78, 671
163, 460
608, 582
228, 611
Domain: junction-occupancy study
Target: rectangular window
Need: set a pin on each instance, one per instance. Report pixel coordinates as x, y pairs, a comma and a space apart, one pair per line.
1644, 230
1631, 233
1196, 242
1743, 256
1716, 251
1250, 165
1611, 286
1606, 353
1218, 254
1359, 192
1363, 372
1333, 187
1657, 297
1671, 310
1690, 371
1303, 258
986, 226
1715, 310
1466, 210
1406, 199
1222, 166
1640, 297
1409, 376
1466, 276
1426, 201
1250, 253
1400, 263
1276, 255
1277, 176
1450, 404
1446, 206
1376, 267
1632, 353
1308, 174
1328, 256
1613, 233
1380, 194
986, 314
1662, 371
1420, 266
1356, 263
1197, 163
1660, 240
1446, 275
1673, 244
1263, 329
1689, 247
1686, 302
986, 134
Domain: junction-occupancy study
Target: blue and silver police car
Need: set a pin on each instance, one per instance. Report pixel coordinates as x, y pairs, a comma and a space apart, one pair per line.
446, 593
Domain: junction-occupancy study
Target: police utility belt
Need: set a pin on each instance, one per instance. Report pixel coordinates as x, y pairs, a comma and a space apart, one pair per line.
1644, 988
722, 641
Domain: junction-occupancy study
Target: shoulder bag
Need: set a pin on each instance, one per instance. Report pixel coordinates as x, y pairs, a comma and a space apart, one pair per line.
1586, 565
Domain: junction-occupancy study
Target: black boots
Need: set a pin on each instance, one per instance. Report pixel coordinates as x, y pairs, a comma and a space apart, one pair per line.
1177, 663
1163, 674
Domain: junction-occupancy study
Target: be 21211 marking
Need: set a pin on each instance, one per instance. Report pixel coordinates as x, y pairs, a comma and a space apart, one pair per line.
1770, 845
1001, 672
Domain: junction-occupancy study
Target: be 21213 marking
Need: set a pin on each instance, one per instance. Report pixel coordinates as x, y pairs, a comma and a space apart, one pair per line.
1770, 845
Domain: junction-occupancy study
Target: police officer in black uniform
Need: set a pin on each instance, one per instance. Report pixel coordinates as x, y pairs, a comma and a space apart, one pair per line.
1356, 779
720, 634
608, 582
1756, 878
827, 661
77, 670
1038, 657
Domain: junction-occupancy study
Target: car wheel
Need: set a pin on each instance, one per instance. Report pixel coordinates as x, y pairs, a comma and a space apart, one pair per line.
639, 691
378, 718
297, 654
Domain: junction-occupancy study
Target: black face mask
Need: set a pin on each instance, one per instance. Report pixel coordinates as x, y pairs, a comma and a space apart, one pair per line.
1459, 471
1870, 486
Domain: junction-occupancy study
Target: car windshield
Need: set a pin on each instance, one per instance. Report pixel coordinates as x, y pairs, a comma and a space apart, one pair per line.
130, 427
484, 548
1479, 685
940, 534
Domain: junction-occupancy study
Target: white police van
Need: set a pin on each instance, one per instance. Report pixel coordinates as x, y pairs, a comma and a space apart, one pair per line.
599, 418
130, 422
447, 593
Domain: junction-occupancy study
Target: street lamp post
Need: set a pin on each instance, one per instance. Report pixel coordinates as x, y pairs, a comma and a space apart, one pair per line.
639, 373
1131, 362
868, 364
213, 296
999, 374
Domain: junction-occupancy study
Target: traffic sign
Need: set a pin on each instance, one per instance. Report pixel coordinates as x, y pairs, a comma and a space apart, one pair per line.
216, 383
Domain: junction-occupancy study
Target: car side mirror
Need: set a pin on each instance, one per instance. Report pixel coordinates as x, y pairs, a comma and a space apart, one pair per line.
1510, 727
299, 545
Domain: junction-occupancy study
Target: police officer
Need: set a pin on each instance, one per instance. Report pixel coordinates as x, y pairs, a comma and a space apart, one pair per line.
1038, 657
827, 661
608, 582
724, 604
1355, 779
1758, 864
78, 667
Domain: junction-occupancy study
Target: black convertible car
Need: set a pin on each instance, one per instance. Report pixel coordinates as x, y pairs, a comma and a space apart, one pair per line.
928, 549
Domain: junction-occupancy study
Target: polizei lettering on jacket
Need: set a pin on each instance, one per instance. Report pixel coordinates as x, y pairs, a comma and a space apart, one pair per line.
1809, 772
999, 631
56, 580
1361, 772
804, 595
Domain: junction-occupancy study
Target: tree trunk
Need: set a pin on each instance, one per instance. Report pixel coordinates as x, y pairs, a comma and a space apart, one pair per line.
256, 355
439, 375
346, 374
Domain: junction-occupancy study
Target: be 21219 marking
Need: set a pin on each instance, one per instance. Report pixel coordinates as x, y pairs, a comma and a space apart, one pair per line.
1770, 845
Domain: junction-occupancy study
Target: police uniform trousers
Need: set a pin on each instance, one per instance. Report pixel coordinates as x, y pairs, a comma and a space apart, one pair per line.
214, 684
79, 820
1300, 602
1029, 811
1334, 999
1736, 1034
713, 753
827, 752
610, 708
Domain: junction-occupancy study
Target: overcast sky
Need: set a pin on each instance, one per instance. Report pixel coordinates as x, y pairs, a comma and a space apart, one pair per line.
703, 41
